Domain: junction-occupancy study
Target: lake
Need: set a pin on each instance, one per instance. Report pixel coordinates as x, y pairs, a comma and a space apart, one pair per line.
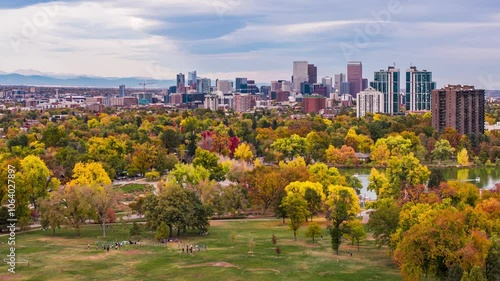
488, 177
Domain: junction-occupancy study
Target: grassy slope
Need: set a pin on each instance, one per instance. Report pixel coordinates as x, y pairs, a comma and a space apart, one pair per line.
68, 258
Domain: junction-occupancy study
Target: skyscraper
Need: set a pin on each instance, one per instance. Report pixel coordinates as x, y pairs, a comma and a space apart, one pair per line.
300, 73
224, 86
458, 107
203, 85
192, 79
355, 76
121, 91
241, 85
388, 82
419, 86
181, 83
369, 101
312, 73
328, 83
339, 78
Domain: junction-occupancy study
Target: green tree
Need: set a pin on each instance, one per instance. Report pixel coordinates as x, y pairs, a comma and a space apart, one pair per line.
384, 220
51, 213
135, 230
356, 232
313, 230
442, 150
296, 209
403, 172
475, 274
162, 232
76, 205
343, 204
291, 146
209, 161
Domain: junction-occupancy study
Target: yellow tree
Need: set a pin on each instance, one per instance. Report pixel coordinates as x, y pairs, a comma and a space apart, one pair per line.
312, 192
90, 174
344, 206
463, 157
243, 152
34, 180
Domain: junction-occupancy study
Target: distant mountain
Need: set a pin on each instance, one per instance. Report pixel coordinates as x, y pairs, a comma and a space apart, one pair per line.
81, 81
493, 93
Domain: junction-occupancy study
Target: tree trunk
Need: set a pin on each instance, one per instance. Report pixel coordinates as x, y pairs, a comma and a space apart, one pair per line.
283, 219
295, 235
358, 245
313, 239
104, 228
178, 231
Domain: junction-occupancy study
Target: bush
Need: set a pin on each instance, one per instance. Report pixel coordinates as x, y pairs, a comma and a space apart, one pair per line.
153, 175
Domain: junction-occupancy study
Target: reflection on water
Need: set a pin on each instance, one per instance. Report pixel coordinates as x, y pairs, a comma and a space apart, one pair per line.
481, 177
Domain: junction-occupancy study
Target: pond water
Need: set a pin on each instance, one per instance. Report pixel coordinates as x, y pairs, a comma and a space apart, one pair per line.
481, 177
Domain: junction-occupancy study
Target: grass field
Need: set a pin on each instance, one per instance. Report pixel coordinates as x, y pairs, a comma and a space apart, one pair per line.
66, 257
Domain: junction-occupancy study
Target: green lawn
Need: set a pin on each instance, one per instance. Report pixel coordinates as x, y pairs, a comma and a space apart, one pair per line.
133, 187
66, 257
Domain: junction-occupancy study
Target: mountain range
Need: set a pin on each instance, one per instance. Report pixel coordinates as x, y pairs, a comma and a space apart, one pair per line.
32, 78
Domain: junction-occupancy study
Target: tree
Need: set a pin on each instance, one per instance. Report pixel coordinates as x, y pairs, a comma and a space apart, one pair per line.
475, 274
51, 213
90, 174
463, 157
264, 185
296, 209
403, 172
378, 182
312, 192
34, 180
243, 152
162, 232
76, 205
135, 230
103, 199
313, 230
442, 150
144, 157
138, 206
356, 232
343, 204
209, 161
110, 151
384, 220
291, 147
188, 174
343, 156
233, 236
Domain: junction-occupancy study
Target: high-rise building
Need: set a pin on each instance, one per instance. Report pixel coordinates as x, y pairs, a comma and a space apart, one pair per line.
355, 77
225, 86
369, 101
339, 78
305, 88
275, 86
203, 85
181, 83
243, 102
241, 85
328, 83
344, 88
192, 79
285, 86
300, 73
458, 107
388, 82
320, 90
419, 86
121, 91
252, 87
313, 103
312, 73
364, 83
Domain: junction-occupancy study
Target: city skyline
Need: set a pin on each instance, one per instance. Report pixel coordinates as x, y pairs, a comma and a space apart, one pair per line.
255, 39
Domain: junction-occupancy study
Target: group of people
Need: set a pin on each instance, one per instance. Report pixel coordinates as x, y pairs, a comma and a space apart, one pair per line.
107, 246
190, 249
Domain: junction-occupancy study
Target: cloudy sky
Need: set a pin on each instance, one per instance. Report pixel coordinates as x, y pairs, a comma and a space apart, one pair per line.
456, 39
